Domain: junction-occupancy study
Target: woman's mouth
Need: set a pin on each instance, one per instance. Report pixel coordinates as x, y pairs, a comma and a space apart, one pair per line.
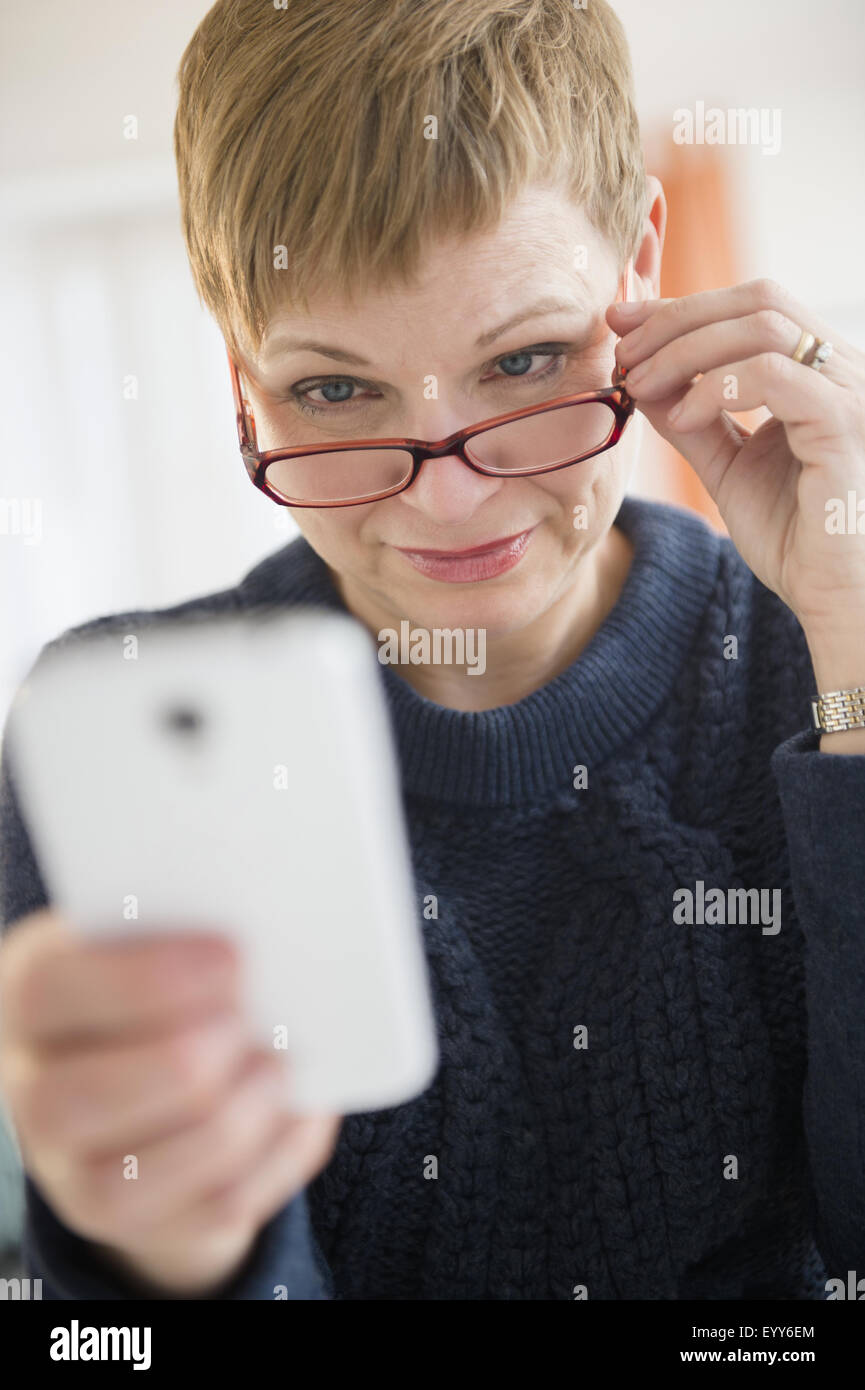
469, 566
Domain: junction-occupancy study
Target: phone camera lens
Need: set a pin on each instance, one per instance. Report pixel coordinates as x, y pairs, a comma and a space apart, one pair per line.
183, 719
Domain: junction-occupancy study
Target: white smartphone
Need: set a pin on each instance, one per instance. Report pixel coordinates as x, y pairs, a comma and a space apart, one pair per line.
239, 773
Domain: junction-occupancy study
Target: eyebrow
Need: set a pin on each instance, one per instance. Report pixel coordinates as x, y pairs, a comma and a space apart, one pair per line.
285, 342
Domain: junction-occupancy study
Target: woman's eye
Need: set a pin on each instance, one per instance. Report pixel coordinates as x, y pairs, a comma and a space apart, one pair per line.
519, 363
342, 391
337, 393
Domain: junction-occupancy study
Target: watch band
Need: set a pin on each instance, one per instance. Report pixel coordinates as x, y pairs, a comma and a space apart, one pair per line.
837, 710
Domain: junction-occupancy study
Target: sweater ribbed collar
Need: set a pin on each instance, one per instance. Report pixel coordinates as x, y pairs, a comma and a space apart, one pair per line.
525, 752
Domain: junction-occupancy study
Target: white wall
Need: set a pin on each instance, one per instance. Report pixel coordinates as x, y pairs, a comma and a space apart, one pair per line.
95, 285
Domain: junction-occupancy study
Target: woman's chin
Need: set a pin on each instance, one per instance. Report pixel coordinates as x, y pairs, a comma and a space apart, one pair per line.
497, 607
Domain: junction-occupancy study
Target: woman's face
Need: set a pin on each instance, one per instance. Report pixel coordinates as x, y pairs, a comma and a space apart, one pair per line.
468, 289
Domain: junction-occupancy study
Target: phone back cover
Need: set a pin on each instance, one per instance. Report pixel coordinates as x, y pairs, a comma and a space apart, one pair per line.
240, 773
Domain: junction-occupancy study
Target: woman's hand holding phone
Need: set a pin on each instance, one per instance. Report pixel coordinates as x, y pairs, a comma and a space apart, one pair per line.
148, 1121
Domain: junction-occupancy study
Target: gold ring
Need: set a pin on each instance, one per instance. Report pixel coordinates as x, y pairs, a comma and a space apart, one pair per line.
805, 344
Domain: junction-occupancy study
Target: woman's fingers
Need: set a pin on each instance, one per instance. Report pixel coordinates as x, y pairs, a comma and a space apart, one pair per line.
818, 415
56, 986
715, 345
150, 1123
659, 321
173, 1173
297, 1149
103, 1097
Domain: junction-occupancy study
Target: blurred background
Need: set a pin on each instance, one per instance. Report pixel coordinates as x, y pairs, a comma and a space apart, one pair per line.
112, 374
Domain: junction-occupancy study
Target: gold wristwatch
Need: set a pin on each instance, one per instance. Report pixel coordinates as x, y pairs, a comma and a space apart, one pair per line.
838, 710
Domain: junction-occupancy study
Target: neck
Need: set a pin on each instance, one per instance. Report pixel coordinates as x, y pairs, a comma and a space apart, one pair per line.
519, 663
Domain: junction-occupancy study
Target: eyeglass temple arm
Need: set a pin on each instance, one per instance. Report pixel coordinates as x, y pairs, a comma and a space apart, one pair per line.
243, 406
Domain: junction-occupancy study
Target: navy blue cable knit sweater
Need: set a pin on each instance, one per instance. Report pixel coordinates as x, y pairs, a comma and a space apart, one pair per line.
704, 1136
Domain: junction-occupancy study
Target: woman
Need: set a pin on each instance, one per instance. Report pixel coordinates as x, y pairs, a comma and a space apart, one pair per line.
646, 945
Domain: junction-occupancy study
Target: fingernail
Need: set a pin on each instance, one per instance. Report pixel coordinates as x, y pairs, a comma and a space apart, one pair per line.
629, 308
676, 411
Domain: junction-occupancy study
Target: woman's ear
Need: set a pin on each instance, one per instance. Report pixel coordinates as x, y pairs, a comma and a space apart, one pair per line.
647, 262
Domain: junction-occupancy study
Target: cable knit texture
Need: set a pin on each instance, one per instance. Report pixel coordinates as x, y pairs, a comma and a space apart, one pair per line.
708, 1141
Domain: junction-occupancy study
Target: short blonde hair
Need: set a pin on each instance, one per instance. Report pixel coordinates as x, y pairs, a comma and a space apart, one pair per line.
306, 127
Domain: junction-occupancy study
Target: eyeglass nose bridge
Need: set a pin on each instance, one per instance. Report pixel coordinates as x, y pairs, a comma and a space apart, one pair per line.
421, 453
455, 444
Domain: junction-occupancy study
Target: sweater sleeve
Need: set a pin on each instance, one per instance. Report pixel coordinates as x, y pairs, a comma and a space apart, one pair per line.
823, 804
286, 1261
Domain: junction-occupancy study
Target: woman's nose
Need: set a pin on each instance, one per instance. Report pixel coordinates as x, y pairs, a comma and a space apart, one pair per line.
449, 492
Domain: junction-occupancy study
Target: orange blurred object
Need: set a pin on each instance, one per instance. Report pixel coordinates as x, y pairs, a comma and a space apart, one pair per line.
701, 252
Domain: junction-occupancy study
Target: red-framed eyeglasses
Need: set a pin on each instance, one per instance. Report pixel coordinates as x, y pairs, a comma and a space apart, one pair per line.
522, 443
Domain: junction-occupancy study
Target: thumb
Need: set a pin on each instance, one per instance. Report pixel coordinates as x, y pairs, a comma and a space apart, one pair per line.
709, 451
